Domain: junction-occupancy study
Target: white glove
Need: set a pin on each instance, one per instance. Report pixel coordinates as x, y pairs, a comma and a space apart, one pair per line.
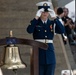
65, 37
38, 14
1, 72
52, 13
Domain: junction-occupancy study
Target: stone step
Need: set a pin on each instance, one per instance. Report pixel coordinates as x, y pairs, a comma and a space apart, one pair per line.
19, 5
60, 58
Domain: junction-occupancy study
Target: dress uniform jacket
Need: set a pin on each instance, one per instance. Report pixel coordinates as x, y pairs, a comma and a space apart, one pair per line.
45, 31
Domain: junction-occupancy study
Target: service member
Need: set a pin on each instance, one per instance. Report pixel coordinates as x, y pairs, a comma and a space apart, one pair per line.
43, 30
60, 14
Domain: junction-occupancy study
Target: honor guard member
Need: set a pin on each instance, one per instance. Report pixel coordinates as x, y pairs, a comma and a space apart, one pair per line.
43, 31
60, 15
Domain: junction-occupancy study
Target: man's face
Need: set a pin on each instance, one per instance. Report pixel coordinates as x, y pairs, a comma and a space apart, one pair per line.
66, 12
44, 15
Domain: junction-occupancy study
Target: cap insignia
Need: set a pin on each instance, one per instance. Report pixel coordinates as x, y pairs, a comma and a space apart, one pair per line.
45, 4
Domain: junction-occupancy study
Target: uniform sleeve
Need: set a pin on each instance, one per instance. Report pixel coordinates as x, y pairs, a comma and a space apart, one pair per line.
31, 27
59, 28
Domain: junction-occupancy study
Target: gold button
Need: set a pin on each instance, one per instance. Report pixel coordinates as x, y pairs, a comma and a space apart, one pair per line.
39, 30
45, 30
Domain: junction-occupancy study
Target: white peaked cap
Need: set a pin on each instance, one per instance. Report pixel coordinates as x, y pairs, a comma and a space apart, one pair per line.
44, 2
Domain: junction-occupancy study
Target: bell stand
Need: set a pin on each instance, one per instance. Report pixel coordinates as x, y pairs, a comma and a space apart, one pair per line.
34, 56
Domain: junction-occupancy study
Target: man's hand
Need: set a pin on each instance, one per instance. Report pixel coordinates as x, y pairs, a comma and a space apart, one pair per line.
39, 12
52, 13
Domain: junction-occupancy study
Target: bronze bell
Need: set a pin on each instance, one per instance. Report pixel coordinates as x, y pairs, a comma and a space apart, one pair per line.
12, 58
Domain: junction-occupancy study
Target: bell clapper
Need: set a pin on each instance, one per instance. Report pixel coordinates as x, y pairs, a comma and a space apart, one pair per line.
15, 71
